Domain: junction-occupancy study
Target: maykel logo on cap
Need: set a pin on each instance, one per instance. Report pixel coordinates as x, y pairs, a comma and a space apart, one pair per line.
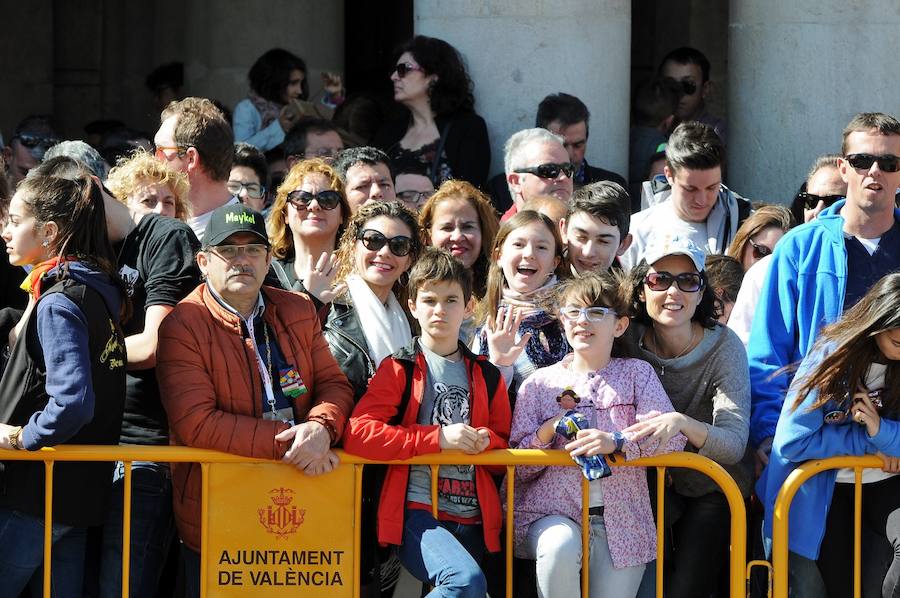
234, 218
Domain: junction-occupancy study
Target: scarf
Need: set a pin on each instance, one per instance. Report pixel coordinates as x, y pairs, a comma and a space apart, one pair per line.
528, 302
386, 328
268, 110
32, 282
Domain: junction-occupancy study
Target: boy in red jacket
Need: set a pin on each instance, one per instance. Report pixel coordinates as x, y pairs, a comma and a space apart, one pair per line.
455, 400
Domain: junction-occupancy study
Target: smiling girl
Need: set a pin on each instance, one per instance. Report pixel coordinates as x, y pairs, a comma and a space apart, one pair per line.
612, 393
527, 263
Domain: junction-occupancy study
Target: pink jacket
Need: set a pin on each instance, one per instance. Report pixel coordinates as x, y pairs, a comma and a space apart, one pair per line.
622, 393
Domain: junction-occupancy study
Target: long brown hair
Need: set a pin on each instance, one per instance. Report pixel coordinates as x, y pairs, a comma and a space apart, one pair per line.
487, 220
370, 211
488, 305
852, 348
764, 217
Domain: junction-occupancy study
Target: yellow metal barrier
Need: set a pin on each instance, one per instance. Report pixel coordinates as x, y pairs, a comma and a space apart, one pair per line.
508, 458
783, 504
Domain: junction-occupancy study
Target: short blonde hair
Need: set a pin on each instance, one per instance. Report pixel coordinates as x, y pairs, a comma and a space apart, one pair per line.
142, 168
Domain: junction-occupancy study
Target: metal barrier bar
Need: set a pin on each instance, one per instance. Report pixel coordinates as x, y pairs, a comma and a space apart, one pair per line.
508, 458
783, 504
48, 525
585, 537
357, 523
660, 527
126, 531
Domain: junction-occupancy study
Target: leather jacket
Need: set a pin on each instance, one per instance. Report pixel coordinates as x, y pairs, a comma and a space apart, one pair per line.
344, 335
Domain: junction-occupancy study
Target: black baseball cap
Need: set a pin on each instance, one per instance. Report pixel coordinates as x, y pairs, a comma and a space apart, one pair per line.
234, 218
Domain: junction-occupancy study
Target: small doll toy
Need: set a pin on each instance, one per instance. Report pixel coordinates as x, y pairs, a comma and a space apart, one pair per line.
594, 467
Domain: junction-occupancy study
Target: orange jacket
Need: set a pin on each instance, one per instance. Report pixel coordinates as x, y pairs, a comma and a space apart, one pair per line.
370, 435
211, 389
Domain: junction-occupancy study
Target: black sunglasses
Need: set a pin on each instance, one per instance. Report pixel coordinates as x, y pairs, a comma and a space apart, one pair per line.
549, 170
374, 241
759, 251
811, 200
688, 282
404, 68
327, 200
688, 88
887, 163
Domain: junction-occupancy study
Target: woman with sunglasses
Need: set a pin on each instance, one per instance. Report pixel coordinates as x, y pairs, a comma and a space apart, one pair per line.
757, 236
439, 126
844, 400
64, 381
703, 368
305, 222
379, 245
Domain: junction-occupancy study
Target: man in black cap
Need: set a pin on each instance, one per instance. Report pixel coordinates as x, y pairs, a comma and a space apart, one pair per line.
244, 368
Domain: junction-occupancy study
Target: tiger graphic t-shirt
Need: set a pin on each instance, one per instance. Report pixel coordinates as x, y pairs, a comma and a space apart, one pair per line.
446, 401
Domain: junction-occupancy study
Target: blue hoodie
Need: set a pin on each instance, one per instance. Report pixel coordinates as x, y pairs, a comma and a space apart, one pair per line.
802, 435
803, 291
63, 334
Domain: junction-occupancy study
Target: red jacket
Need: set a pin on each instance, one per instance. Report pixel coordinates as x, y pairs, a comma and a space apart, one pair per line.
369, 435
210, 385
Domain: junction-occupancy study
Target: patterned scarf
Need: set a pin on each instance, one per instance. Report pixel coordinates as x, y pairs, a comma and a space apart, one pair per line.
268, 110
32, 282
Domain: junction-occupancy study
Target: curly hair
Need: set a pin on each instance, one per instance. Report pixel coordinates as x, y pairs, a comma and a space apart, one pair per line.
270, 74
487, 221
452, 91
279, 232
142, 168
708, 310
370, 211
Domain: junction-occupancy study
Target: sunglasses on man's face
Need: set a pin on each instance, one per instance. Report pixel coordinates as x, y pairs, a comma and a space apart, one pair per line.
688, 88
404, 68
887, 163
549, 170
327, 200
374, 241
810, 200
759, 251
688, 282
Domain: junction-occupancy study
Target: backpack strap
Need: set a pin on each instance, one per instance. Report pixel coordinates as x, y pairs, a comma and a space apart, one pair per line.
407, 390
491, 376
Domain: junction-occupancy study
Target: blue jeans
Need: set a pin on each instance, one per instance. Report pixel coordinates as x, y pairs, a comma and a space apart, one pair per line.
22, 553
445, 554
152, 530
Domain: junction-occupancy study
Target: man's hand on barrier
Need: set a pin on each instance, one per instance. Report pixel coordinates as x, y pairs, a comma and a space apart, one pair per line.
461, 437
761, 456
591, 442
323, 465
310, 442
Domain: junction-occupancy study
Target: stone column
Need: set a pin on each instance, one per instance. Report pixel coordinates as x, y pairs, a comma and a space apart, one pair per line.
519, 52
798, 72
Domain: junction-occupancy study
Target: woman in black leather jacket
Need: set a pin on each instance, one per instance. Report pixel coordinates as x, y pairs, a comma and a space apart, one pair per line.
379, 245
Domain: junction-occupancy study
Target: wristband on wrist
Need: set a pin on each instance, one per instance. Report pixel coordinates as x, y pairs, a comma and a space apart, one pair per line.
329, 427
619, 439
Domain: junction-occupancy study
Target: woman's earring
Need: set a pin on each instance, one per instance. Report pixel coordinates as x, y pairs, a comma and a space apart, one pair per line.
46, 243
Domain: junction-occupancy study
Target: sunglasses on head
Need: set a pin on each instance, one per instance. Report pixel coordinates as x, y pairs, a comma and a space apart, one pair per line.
887, 163
549, 170
404, 68
327, 200
688, 282
591, 314
811, 200
759, 251
374, 241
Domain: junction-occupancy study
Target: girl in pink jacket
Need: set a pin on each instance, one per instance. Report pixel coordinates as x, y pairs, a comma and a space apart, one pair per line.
612, 393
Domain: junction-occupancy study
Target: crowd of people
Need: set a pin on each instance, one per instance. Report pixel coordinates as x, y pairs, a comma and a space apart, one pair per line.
298, 279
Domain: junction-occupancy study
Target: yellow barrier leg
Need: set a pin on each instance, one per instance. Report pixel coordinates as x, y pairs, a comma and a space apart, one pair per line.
48, 525
126, 532
857, 533
510, 493
357, 526
204, 526
660, 527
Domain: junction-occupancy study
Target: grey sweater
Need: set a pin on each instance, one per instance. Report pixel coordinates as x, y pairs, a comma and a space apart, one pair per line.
712, 385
